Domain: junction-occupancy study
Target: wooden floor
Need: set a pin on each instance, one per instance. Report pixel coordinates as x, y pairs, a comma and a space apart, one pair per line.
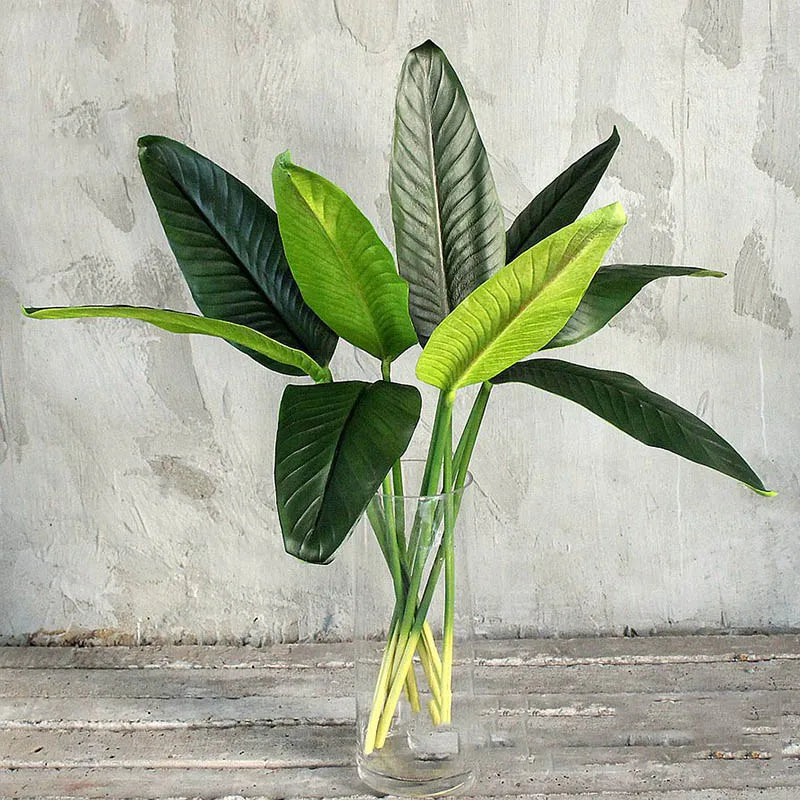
673, 718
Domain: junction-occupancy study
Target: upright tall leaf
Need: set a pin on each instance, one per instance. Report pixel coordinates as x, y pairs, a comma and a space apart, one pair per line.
242, 336
561, 202
447, 219
611, 289
634, 409
227, 245
335, 444
346, 273
522, 307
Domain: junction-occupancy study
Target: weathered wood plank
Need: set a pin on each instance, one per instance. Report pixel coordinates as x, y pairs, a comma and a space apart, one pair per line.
504, 652
313, 746
213, 781
338, 681
162, 722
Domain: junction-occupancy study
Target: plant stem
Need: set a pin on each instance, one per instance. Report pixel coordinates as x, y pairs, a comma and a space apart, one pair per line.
380, 686
449, 577
464, 452
414, 615
411, 629
396, 546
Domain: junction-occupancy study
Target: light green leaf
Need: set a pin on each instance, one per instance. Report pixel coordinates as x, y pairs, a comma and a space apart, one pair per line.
345, 272
447, 218
335, 444
634, 409
522, 307
180, 322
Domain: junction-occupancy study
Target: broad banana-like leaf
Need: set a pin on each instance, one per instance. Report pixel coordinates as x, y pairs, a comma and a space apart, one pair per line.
522, 307
561, 202
180, 322
634, 409
345, 272
336, 442
448, 222
611, 289
226, 241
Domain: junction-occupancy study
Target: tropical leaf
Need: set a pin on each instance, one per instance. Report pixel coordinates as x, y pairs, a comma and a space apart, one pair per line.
561, 202
180, 322
335, 444
634, 409
227, 245
346, 273
448, 222
611, 289
522, 307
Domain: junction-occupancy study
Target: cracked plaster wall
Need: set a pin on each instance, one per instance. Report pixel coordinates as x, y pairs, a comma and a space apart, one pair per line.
136, 495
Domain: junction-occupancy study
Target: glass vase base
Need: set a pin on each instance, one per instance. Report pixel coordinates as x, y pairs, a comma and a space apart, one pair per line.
413, 765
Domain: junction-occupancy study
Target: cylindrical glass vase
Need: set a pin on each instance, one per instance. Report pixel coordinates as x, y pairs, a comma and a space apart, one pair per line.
415, 710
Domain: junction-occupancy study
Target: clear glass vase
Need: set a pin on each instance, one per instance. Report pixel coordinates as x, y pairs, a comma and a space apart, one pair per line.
415, 710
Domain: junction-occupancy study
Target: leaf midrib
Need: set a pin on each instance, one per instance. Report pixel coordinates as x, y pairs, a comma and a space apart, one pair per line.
435, 182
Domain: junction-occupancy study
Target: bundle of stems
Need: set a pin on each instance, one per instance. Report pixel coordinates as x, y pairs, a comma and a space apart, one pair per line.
409, 633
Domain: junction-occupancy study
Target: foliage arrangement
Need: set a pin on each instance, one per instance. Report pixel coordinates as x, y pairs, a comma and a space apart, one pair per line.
283, 287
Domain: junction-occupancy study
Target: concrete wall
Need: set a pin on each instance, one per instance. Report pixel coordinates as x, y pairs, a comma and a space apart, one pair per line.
135, 485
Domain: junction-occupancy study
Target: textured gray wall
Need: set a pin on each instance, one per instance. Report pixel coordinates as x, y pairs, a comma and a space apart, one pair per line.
136, 466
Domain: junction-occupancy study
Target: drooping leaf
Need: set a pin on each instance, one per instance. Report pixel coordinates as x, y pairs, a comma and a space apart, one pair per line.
226, 241
448, 222
346, 273
611, 289
180, 322
522, 307
634, 409
561, 202
335, 444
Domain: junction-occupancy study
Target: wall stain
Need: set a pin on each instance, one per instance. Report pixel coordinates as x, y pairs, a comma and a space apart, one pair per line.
99, 26
112, 199
193, 482
81, 121
719, 25
92, 280
753, 291
13, 432
777, 149
372, 26
644, 167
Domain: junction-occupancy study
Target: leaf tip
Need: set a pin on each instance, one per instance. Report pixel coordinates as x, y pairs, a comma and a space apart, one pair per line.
145, 141
284, 160
428, 46
616, 214
765, 492
27, 311
150, 140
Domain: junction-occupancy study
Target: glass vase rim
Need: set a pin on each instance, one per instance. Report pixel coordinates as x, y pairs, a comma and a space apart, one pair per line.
468, 481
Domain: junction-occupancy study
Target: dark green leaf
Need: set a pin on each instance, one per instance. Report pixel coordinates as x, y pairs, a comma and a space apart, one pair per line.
181, 322
448, 222
345, 271
335, 444
611, 289
562, 201
227, 245
634, 409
